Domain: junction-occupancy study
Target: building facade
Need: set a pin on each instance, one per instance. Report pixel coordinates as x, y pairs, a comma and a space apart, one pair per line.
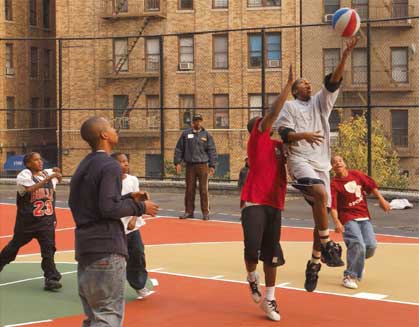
27, 81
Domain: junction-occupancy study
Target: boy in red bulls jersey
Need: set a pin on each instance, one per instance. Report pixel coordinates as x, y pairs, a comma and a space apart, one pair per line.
262, 200
35, 216
351, 217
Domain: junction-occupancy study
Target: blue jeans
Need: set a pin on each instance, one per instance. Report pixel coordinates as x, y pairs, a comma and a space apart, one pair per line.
360, 241
101, 290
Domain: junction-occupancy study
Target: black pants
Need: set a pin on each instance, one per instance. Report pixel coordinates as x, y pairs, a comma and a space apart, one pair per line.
46, 240
136, 272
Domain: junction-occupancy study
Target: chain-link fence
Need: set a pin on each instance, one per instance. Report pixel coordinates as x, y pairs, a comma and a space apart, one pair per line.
149, 85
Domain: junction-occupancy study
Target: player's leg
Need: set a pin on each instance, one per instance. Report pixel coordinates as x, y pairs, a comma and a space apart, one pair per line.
9, 252
253, 225
355, 254
46, 240
272, 257
190, 191
203, 189
369, 240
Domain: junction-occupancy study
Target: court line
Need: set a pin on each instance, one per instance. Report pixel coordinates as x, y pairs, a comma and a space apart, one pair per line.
34, 278
29, 323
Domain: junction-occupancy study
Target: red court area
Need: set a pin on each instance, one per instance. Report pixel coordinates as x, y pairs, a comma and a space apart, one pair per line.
187, 302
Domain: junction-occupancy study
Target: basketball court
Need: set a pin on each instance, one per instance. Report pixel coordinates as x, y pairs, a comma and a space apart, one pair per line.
199, 267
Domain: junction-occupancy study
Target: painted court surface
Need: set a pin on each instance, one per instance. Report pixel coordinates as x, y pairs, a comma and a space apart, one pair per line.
200, 271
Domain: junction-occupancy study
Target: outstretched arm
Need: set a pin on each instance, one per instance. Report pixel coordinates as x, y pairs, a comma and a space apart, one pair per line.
272, 115
383, 202
338, 73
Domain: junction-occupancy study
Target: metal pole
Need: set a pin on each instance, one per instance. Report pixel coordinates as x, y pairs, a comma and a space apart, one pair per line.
161, 98
369, 116
263, 87
60, 104
301, 38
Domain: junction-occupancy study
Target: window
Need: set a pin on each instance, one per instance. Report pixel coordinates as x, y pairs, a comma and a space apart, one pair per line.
153, 111
47, 64
152, 49
185, 4
359, 66
222, 170
334, 120
8, 11
219, 3
10, 103
46, 13
399, 65
32, 13
121, 6
399, 127
187, 105
35, 114
273, 50
47, 113
331, 58
361, 7
152, 5
263, 3
186, 52
120, 54
34, 62
221, 119
220, 51
330, 6
9, 59
255, 105
120, 105
400, 8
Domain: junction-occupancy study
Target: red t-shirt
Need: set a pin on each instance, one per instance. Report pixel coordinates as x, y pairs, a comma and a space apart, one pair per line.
349, 195
266, 182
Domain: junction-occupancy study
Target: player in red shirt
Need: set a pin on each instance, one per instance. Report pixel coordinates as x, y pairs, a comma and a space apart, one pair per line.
351, 217
262, 200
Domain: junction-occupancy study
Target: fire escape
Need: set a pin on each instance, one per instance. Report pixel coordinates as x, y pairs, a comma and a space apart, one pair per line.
122, 10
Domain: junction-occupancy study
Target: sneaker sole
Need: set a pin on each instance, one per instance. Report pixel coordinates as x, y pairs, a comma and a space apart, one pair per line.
143, 297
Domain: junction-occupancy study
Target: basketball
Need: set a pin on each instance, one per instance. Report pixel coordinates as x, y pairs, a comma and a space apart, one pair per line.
346, 22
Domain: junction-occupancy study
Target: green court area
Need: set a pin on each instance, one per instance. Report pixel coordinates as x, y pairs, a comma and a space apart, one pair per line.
23, 299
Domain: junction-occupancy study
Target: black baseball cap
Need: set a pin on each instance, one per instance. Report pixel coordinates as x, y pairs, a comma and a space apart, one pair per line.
197, 117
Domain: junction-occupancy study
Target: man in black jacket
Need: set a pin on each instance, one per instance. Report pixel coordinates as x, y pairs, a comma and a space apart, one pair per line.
97, 206
196, 148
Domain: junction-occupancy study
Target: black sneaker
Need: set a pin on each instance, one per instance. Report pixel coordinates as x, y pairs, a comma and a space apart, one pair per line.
332, 254
312, 275
52, 284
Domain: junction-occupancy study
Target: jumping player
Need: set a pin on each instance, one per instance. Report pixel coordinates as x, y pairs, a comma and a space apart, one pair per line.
262, 199
352, 218
304, 127
136, 264
35, 216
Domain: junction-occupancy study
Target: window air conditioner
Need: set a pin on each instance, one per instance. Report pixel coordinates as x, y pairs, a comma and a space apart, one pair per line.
186, 66
274, 63
10, 71
328, 18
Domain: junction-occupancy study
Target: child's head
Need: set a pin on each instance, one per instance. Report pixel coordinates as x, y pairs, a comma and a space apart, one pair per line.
122, 160
33, 161
338, 165
97, 131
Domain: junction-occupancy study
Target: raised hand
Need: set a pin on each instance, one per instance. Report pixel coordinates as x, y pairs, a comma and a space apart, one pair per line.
290, 75
350, 45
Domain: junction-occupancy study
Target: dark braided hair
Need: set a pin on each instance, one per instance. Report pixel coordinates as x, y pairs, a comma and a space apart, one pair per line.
28, 157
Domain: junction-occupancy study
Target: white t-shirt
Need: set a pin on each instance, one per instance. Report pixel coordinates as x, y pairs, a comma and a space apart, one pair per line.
24, 179
131, 184
309, 116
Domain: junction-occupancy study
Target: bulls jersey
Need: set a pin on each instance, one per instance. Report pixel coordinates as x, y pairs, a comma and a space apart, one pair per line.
35, 210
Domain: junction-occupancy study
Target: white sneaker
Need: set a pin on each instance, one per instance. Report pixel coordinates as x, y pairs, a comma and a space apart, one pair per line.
255, 288
144, 292
349, 282
271, 309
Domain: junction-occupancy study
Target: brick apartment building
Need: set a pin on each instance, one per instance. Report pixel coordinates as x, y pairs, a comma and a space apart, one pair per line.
208, 73
27, 80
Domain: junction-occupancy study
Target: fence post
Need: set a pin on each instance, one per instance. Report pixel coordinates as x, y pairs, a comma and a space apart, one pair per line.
301, 38
161, 98
263, 71
60, 104
369, 116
